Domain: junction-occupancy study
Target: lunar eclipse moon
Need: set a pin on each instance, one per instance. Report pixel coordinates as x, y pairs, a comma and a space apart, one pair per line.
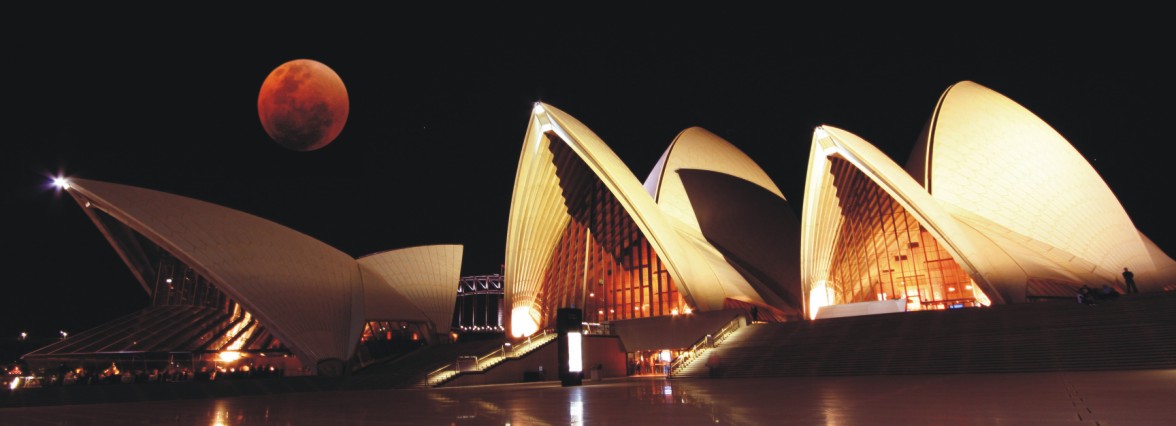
303, 105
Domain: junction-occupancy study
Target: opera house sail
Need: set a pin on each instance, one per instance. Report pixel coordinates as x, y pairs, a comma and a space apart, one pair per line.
224, 282
584, 232
993, 206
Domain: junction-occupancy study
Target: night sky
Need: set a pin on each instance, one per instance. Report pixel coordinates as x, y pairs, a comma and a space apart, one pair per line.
440, 103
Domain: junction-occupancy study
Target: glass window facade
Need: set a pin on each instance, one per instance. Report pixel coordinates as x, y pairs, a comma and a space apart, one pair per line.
602, 262
882, 251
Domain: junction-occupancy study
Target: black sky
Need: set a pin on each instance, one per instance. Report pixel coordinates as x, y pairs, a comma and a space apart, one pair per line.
440, 102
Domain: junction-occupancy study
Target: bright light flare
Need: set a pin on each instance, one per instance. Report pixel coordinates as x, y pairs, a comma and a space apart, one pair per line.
523, 321
817, 299
229, 356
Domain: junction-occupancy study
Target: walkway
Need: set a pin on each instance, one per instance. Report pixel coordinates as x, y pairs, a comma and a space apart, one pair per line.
1131, 397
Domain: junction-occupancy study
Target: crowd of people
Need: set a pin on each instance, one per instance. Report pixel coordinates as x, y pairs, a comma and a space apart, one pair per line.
112, 374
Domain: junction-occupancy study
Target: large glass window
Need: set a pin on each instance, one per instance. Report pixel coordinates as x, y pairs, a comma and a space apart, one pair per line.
882, 251
602, 262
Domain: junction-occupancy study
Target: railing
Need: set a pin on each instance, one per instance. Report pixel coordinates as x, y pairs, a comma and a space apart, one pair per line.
495, 357
705, 343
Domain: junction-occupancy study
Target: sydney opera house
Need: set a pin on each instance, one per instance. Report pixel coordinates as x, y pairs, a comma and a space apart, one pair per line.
992, 207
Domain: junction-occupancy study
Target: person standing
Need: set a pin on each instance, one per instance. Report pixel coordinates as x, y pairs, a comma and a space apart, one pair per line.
1129, 279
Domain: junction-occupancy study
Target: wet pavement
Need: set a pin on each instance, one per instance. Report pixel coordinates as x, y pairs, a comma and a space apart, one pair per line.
1134, 397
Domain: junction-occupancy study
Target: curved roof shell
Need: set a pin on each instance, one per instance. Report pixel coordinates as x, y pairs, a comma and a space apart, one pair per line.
1009, 198
538, 215
426, 277
1007, 172
313, 297
720, 199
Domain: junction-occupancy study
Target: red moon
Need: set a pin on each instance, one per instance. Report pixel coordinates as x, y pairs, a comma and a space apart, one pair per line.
303, 105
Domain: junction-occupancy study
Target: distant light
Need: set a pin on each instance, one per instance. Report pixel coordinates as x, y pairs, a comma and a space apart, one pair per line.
229, 356
168, 280
674, 311
61, 182
64, 334
688, 310
951, 289
24, 335
15, 383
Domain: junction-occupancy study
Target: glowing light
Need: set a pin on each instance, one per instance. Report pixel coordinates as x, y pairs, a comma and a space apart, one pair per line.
817, 299
951, 289
537, 109
982, 298
968, 287
63, 334
674, 311
24, 335
229, 356
575, 352
241, 332
15, 383
591, 294
666, 355
523, 321
689, 310
168, 280
60, 182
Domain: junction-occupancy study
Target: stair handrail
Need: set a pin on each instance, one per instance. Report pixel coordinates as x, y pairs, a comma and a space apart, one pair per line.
706, 342
490, 359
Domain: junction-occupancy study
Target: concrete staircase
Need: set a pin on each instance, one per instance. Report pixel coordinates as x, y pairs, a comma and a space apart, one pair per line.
409, 370
486, 360
1131, 332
